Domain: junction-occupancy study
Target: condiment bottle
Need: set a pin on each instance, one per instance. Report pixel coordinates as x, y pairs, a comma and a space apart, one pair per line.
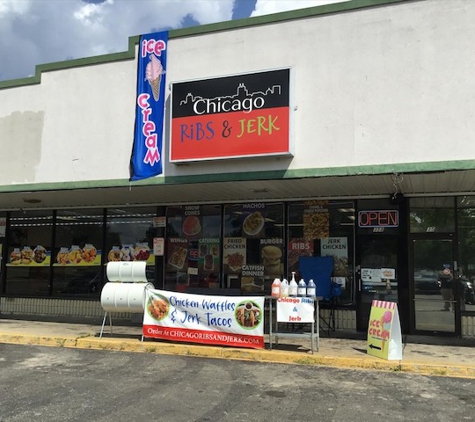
311, 289
302, 289
275, 289
284, 288
293, 286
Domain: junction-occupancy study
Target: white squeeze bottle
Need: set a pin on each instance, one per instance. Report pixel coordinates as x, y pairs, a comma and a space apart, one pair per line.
311, 289
284, 288
275, 289
302, 289
293, 286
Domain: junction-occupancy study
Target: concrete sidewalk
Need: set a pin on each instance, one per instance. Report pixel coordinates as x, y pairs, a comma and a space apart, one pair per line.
428, 359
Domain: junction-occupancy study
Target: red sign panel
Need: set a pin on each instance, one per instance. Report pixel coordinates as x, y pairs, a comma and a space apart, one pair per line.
378, 218
230, 117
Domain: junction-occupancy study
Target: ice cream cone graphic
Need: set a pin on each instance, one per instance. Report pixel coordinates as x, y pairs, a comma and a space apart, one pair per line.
386, 326
153, 74
155, 83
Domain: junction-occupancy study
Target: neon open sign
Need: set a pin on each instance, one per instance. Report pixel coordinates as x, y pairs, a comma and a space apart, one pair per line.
378, 218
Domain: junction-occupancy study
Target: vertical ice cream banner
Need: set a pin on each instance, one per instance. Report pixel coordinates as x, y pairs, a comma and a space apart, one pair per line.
384, 331
146, 160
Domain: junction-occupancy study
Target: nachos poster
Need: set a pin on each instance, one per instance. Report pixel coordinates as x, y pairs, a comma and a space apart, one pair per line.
219, 320
146, 160
234, 116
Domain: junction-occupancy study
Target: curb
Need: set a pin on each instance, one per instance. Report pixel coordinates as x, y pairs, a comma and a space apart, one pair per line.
364, 362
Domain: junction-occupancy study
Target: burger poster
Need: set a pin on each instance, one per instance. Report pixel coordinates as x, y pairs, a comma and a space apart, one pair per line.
234, 116
219, 320
271, 256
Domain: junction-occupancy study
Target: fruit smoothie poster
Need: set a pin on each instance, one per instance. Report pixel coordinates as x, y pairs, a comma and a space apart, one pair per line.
146, 160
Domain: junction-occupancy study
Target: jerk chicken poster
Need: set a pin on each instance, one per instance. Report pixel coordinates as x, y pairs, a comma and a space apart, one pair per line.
146, 160
230, 117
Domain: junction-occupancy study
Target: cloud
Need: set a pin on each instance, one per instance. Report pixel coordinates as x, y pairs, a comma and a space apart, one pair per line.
266, 7
44, 31
34, 32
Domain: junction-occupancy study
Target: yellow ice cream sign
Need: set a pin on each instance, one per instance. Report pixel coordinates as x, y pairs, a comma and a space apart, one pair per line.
384, 332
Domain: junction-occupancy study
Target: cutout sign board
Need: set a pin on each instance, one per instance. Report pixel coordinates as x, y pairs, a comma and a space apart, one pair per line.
384, 331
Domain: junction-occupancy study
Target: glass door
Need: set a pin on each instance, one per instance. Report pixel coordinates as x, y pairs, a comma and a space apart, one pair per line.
377, 274
433, 281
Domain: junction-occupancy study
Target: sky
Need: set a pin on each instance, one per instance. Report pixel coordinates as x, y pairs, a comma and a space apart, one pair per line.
35, 32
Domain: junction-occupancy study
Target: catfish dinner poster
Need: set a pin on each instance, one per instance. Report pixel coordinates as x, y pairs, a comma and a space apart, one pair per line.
230, 117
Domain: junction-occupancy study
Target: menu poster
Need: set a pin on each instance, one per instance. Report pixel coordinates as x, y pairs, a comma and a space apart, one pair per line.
30, 257
298, 248
3, 226
253, 219
160, 221
191, 225
177, 256
316, 220
159, 246
337, 247
234, 254
272, 257
252, 279
208, 254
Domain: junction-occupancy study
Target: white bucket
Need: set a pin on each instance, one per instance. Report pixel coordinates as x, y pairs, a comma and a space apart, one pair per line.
124, 297
132, 272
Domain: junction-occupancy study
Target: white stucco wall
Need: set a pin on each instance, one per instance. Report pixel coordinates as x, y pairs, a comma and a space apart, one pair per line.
382, 85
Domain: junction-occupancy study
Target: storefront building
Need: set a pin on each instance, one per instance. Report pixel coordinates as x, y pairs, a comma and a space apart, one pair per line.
342, 131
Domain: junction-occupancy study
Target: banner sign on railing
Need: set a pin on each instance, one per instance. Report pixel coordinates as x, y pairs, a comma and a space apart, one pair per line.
295, 309
220, 320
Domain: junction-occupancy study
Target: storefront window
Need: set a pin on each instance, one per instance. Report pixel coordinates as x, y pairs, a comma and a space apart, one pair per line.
323, 228
129, 236
193, 248
466, 251
29, 253
432, 215
253, 246
77, 253
3, 231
